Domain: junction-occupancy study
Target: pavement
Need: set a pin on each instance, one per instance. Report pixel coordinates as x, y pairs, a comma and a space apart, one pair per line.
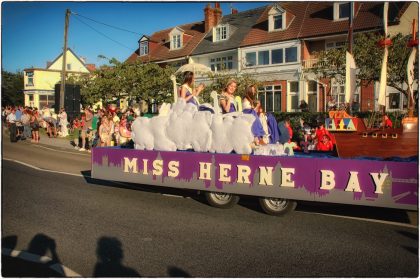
60, 142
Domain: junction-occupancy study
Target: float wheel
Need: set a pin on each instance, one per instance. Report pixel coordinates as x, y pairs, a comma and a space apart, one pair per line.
221, 200
277, 206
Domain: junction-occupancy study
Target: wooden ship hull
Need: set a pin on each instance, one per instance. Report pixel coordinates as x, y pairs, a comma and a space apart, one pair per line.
379, 143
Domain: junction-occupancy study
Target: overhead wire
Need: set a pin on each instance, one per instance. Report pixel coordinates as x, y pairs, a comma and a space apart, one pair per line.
112, 26
103, 34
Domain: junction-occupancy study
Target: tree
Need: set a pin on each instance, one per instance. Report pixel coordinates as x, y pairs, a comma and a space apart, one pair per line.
145, 81
220, 79
368, 56
12, 88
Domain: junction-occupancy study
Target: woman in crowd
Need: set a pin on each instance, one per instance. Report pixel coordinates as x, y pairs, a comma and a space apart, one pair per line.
63, 123
125, 134
34, 122
105, 131
227, 101
186, 91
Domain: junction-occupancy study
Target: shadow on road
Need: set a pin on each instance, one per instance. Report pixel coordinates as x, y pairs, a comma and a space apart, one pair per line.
251, 203
110, 255
174, 271
412, 236
31, 262
359, 211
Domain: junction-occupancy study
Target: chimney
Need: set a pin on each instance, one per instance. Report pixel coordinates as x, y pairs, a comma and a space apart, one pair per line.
208, 18
217, 13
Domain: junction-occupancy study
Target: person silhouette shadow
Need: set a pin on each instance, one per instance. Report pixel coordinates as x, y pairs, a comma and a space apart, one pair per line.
110, 254
33, 262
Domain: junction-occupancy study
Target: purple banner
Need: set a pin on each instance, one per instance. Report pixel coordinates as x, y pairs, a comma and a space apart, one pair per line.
362, 182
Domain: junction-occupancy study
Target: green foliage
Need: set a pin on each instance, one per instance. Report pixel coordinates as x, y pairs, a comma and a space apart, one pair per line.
219, 80
368, 56
134, 80
12, 88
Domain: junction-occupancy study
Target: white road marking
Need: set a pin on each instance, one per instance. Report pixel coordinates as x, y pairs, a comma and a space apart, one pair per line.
365, 219
62, 151
37, 168
67, 272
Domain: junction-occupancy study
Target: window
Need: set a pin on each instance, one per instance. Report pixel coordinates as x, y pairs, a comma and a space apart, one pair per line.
221, 63
291, 54
221, 33
30, 76
394, 100
68, 67
331, 45
176, 41
251, 59
338, 90
278, 21
144, 48
46, 100
343, 10
270, 98
271, 57
277, 56
294, 95
264, 57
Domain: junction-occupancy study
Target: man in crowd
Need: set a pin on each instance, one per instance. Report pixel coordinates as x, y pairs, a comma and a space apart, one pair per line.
11, 122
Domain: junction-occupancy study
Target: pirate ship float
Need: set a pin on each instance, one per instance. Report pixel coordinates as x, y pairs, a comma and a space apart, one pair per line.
356, 139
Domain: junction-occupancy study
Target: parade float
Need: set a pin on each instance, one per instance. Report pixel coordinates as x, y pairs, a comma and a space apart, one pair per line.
205, 150
212, 153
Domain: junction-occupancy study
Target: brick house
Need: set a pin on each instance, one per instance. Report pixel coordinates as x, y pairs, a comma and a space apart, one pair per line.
276, 44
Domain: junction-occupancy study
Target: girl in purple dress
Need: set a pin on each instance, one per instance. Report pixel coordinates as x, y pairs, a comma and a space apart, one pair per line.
186, 92
227, 102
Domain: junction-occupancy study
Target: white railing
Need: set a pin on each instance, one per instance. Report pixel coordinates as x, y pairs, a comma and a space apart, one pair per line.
310, 63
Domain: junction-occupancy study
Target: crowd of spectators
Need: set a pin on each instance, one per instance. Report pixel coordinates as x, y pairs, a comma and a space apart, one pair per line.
111, 126
101, 127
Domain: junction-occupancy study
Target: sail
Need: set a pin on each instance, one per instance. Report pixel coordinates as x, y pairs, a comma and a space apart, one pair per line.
410, 71
350, 77
383, 78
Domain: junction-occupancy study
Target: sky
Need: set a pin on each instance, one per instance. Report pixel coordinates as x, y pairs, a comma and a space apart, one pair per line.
32, 33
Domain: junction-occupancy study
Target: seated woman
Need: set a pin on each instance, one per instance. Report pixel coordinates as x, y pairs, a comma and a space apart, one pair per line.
250, 106
227, 101
186, 92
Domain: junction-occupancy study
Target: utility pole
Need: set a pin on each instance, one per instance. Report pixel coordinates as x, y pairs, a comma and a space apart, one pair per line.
350, 34
63, 69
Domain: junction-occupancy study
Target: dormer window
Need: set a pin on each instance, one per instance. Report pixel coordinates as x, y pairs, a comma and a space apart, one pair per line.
144, 48
144, 45
276, 19
176, 38
341, 10
176, 42
220, 33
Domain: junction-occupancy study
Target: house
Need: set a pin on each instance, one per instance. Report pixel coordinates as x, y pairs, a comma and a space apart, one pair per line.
171, 46
281, 49
277, 45
219, 49
39, 83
